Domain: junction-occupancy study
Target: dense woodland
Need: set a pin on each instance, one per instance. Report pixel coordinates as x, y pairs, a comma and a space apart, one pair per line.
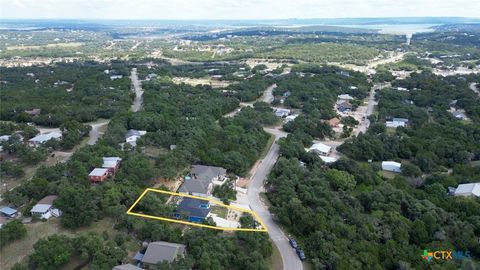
79, 91
182, 115
349, 217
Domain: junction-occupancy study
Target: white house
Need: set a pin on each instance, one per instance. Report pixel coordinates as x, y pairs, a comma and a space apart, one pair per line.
345, 97
471, 189
43, 138
391, 166
44, 208
320, 149
397, 122
114, 77
290, 118
328, 160
282, 112
133, 135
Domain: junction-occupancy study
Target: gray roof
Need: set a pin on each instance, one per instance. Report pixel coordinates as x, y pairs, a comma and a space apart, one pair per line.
41, 208
46, 137
126, 267
8, 211
134, 132
405, 120
345, 105
191, 207
201, 177
162, 251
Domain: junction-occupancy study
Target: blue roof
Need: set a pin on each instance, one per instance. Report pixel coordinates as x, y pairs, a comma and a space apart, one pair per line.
8, 211
191, 207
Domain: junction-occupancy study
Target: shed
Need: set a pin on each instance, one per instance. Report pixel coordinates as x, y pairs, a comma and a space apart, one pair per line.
470, 189
391, 166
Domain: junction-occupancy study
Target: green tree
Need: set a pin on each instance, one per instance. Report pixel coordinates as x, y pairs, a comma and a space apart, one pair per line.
340, 179
52, 252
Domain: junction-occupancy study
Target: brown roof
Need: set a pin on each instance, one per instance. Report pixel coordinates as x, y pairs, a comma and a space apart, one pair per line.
48, 199
3, 220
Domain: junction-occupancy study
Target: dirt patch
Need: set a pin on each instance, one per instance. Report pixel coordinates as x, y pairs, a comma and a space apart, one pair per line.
201, 81
172, 185
242, 182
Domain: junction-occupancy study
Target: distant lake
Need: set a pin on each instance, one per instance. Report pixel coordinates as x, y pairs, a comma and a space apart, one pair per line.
396, 29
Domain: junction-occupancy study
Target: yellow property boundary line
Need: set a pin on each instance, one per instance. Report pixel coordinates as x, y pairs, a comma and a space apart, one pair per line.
129, 212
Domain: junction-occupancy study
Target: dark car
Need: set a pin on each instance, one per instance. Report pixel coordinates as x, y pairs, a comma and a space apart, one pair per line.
301, 254
293, 243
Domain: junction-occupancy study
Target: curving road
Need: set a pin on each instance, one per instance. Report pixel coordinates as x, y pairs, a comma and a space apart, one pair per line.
290, 259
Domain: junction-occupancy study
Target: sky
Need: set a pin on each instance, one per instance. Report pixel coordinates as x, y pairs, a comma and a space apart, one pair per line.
234, 9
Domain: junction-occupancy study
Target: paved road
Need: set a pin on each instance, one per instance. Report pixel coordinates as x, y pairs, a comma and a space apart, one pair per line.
95, 132
267, 97
137, 87
370, 107
290, 259
268, 94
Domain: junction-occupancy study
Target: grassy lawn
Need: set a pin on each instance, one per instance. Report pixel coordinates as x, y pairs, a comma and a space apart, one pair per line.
220, 211
275, 261
19, 250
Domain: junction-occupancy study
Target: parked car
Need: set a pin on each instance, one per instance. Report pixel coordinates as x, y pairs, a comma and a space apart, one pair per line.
293, 243
301, 254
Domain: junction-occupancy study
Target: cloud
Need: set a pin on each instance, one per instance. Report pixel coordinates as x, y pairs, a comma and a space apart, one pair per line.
234, 9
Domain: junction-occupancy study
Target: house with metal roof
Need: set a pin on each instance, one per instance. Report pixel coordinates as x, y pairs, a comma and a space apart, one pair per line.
111, 163
45, 137
391, 166
44, 208
98, 175
282, 112
470, 189
8, 212
193, 210
397, 122
320, 149
344, 97
133, 135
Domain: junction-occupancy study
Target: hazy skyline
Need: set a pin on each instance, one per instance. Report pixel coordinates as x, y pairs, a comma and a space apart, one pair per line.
233, 9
